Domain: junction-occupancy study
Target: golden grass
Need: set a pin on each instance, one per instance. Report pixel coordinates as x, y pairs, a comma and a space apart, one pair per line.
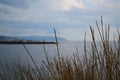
103, 64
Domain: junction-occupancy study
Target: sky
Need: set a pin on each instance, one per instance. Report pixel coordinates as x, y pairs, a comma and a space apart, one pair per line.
70, 18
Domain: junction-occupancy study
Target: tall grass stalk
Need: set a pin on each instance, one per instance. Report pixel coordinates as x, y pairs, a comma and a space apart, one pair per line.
39, 72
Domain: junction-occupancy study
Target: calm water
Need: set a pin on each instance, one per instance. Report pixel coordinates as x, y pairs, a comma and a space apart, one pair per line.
67, 48
14, 51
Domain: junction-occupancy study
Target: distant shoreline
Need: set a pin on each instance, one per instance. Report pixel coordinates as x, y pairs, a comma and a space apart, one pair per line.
27, 42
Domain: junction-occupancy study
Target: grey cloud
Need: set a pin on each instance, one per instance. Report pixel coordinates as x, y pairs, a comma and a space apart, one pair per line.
15, 3
89, 15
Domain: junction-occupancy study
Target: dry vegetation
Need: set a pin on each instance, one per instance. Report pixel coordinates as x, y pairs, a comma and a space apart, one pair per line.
103, 64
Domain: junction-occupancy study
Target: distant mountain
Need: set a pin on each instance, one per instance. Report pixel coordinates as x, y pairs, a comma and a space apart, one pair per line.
33, 38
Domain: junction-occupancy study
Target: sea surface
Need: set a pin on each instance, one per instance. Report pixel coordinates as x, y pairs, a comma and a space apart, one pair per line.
17, 51
12, 52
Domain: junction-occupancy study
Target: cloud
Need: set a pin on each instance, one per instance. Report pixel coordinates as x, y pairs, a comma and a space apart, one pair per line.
113, 4
68, 4
11, 31
59, 5
58, 11
15, 3
12, 13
